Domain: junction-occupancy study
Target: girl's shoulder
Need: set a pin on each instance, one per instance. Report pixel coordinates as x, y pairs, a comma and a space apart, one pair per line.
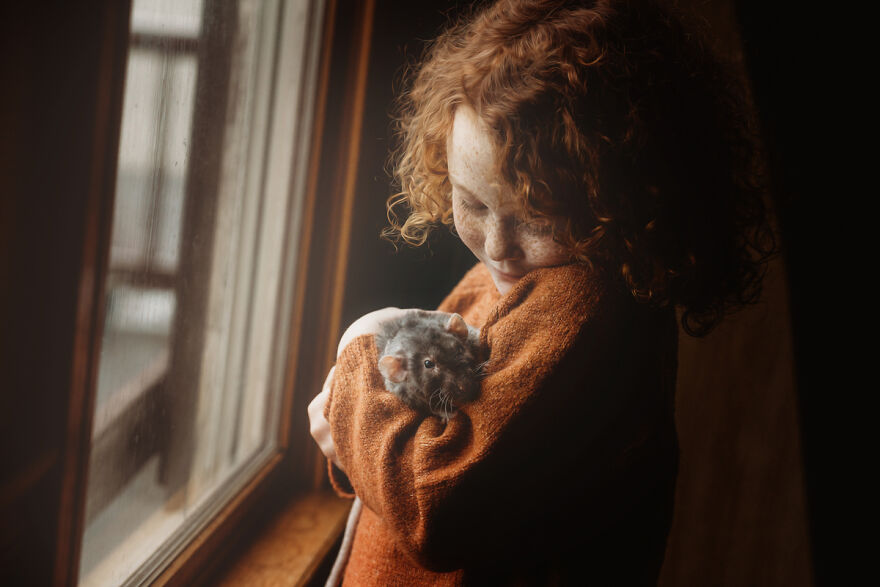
573, 303
551, 299
571, 290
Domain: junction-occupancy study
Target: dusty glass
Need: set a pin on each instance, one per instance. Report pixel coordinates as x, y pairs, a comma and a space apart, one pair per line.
215, 127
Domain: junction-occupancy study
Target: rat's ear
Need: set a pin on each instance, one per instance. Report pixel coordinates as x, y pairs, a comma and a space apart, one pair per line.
457, 326
393, 368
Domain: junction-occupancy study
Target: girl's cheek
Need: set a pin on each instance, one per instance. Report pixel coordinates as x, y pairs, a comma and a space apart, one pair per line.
543, 250
469, 231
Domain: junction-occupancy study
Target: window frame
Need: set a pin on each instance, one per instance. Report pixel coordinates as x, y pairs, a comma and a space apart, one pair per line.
45, 484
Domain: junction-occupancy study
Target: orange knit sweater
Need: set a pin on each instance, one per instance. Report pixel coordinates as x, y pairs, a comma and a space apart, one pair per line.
561, 472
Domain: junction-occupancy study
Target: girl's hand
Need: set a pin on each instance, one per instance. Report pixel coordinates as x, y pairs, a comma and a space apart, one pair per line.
367, 324
318, 425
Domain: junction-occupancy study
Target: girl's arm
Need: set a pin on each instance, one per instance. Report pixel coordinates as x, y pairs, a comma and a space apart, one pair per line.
570, 401
368, 324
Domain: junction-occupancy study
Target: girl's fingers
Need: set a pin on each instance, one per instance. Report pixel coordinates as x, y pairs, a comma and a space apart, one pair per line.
318, 425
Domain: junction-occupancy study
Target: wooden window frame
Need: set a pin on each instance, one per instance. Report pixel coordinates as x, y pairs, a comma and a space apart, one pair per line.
58, 181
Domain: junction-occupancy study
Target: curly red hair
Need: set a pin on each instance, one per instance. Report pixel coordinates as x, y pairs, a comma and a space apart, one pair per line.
610, 114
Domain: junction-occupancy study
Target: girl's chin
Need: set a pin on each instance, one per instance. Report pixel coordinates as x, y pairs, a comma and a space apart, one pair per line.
503, 285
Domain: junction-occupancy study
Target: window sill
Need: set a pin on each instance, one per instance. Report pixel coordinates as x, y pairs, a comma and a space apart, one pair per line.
293, 546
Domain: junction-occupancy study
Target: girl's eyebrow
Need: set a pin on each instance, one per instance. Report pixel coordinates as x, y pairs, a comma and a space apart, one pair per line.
458, 186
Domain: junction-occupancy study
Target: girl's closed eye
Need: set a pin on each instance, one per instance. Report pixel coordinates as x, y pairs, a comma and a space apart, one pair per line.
471, 204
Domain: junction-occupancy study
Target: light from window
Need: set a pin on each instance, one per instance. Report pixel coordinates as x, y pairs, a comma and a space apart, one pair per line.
215, 123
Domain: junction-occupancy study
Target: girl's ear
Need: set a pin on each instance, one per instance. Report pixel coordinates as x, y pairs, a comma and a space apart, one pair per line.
457, 326
393, 368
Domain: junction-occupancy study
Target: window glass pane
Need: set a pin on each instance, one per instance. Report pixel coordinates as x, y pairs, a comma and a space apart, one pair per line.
167, 17
197, 292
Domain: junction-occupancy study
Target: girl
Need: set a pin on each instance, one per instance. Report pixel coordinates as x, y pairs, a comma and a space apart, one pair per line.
598, 164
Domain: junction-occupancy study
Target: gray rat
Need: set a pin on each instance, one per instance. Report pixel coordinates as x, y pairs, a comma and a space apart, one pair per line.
433, 362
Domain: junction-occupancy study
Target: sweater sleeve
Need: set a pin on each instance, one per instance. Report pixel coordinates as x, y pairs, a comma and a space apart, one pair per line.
562, 418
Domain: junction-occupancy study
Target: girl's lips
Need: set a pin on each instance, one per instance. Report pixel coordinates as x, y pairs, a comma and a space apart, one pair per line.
508, 276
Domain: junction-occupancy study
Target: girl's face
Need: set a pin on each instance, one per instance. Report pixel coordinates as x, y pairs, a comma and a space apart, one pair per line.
485, 214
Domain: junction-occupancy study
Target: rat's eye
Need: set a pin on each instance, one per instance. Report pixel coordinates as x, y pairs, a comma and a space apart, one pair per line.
429, 364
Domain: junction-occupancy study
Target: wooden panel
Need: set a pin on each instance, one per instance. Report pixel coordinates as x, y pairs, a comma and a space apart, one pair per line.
230, 530
329, 209
291, 547
63, 70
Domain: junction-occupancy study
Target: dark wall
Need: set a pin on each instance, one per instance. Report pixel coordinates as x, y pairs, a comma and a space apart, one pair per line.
59, 111
805, 75
741, 513
379, 276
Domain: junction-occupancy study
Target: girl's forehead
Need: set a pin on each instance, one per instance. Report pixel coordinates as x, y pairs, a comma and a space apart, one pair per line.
471, 154
474, 164
475, 167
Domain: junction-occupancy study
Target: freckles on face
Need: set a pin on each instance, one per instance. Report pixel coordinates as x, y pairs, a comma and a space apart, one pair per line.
485, 213
468, 226
543, 250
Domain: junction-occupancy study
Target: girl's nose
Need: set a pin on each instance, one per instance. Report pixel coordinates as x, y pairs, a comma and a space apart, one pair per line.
500, 242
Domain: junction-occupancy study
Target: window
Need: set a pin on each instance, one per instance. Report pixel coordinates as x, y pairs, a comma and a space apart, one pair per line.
78, 278
208, 201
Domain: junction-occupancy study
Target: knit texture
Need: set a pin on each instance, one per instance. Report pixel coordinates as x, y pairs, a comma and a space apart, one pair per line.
562, 471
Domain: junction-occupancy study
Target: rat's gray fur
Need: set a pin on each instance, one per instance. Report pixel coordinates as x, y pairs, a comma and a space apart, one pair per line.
455, 378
